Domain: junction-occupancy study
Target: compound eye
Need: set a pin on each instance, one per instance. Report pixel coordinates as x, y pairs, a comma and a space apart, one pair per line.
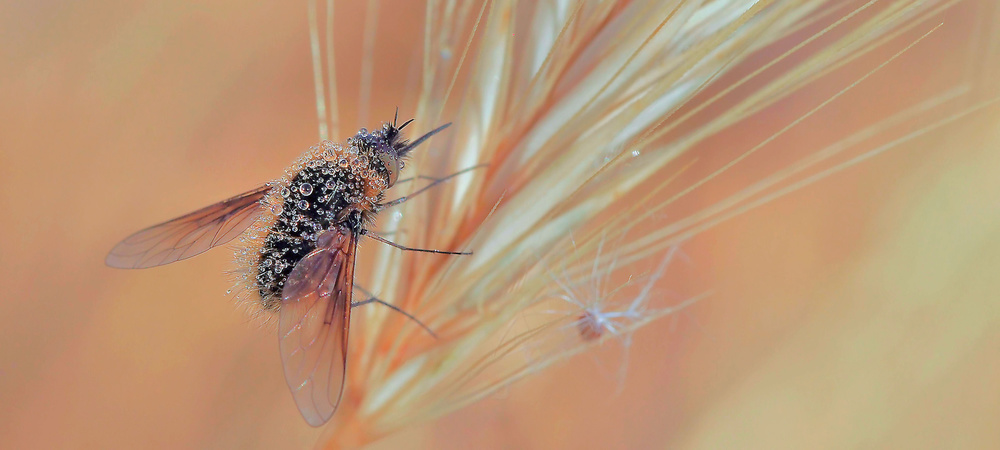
391, 163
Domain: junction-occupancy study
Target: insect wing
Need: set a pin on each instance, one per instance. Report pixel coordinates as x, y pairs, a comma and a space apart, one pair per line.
313, 322
188, 235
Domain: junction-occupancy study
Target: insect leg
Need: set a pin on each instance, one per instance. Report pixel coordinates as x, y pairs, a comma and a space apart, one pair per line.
372, 299
387, 233
418, 177
436, 182
363, 290
411, 249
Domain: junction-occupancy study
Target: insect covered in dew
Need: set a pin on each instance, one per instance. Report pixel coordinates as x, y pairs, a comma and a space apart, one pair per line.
302, 267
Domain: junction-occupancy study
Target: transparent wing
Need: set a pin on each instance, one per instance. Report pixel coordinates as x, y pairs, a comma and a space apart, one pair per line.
188, 235
313, 322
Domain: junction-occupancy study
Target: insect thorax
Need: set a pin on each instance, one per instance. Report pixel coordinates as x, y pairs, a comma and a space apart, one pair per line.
320, 196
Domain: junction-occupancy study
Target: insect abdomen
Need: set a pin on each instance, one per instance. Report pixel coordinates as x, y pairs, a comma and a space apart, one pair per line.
312, 202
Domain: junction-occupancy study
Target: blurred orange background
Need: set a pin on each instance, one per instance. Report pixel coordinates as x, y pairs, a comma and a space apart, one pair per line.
860, 311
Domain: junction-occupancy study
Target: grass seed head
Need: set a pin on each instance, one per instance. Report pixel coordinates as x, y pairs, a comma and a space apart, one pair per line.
592, 118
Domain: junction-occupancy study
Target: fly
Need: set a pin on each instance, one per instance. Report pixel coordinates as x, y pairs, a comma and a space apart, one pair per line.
310, 224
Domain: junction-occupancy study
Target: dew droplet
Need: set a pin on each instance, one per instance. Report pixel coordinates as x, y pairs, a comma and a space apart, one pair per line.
285, 192
635, 153
306, 189
276, 209
302, 204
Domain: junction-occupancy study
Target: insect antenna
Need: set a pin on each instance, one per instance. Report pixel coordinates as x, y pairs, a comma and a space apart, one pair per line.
404, 124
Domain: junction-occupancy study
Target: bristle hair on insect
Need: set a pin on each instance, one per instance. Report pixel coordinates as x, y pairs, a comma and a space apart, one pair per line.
244, 291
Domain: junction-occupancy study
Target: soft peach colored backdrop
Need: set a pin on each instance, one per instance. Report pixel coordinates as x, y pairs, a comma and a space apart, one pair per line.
859, 312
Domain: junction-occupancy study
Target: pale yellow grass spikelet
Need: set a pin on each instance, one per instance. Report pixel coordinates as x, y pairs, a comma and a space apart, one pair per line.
592, 117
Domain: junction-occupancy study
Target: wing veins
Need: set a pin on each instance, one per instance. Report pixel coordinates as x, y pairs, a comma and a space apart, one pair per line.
316, 305
190, 234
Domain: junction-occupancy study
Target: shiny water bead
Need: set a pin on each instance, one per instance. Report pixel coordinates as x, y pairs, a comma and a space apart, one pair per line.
305, 189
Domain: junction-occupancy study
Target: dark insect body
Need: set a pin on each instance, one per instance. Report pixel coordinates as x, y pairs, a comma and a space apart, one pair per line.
336, 187
308, 209
303, 268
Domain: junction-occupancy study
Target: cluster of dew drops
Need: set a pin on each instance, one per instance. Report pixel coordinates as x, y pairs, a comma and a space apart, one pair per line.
318, 187
329, 169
